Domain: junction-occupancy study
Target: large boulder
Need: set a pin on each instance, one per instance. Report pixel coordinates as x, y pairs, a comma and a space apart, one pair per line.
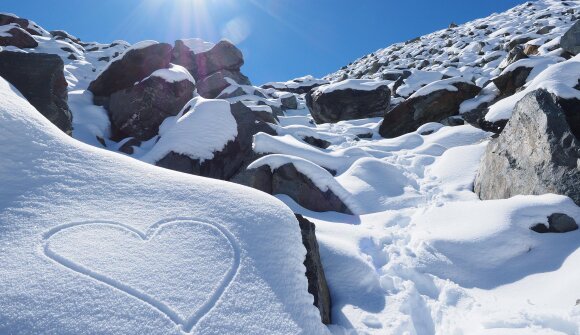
432, 103
40, 79
210, 87
137, 63
536, 153
508, 82
348, 100
15, 36
317, 285
31, 27
570, 41
223, 56
138, 111
234, 156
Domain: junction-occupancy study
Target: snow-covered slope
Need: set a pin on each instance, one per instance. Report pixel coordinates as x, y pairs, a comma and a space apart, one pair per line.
92, 242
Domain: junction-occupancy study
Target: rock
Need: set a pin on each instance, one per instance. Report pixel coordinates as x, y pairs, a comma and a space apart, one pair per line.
317, 285
570, 41
531, 49
545, 30
432, 107
40, 79
235, 156
513, 56
317, 142
223, 56
287, 180
347, 104
289, 101
138, 111
134, 66
210, 87
536, 153
476, 118
509, 82
557, 223
297, 86
395, 75
25, 24
19, 38
61, 35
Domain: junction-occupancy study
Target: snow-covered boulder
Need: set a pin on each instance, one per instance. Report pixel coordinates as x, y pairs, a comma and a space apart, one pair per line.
570, 41
348, 100
536, 153
138, 111
300, 85
29, 26
511, 79
137, 63
202, 61
15, 36
40, 79
211, 86
432, 103
94, 242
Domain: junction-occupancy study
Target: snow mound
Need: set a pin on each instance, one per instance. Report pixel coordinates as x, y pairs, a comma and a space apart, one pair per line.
174, 74
352, 84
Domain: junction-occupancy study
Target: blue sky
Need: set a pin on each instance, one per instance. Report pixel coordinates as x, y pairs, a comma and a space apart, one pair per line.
281, 39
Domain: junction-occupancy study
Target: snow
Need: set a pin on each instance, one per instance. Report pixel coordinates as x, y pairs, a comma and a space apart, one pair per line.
352, 84
175, 73
440, 85
95, 242
203, 127
417, 79
197, 45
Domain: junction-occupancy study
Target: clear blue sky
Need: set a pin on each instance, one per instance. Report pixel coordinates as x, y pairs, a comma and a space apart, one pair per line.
281, 39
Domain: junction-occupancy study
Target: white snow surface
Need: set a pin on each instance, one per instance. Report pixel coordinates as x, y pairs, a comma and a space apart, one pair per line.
197, 45
440, 85
175, 73
95, 242
352, 84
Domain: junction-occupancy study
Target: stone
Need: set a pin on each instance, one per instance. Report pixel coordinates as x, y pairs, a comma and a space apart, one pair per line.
25, 24
134, 66
531, 49
317, 285
223, 56
40, 79
19, 38
514, 55
433, 107
61, 35
289, 101
561, 223
509, 82
536, 153
138, 111
213, 85
347, 104
570, 41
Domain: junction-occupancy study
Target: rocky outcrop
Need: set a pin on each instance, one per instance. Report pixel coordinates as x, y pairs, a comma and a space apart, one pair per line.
40, 79
536, 153
317, 285
18, 37
25, 24
135, 65
286, 179
431, 107
138, 111
235, 156
570, 41
347, 104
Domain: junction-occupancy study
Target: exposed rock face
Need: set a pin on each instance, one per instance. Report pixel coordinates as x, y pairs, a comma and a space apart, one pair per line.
19, 38
134, 66
61, 35
347, 104
570, 42
433, 107
536, 153
317, 285
25, 24
234, 156
40, 79
509, 82
211, 86
138, 111
289, 101
286, 179
514, 55
557, 223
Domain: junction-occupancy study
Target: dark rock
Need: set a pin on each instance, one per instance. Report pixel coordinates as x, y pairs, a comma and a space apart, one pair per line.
25, 24
453, 25
545, 30
395, 75
433, 107
223, 56
317, 285
19, 38
61, 35
570, 41
536, 153
476, 118
138, 111
513, 56
289, 101
557, 223
210, 87
509, 82
134, 66
348, 104
317, 142
235, 156
531, 49
235, 93
40, 79
127, 147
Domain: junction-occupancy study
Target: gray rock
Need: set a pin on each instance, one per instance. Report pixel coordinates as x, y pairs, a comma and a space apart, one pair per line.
211, 86
289, 101
317, 285
570, 41
138, 111
514, 55
561, 223
433, 107
40, 79
223, 56
134, 66
509, 82
61, 35
348, 104
536, 153
19, 38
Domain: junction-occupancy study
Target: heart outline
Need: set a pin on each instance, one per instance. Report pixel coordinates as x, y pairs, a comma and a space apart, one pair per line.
187, 324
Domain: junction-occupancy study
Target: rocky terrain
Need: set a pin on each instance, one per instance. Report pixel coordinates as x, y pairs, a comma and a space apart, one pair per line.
435, 183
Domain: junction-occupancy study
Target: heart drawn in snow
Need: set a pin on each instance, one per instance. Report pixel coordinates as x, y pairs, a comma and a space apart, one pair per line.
180, 267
